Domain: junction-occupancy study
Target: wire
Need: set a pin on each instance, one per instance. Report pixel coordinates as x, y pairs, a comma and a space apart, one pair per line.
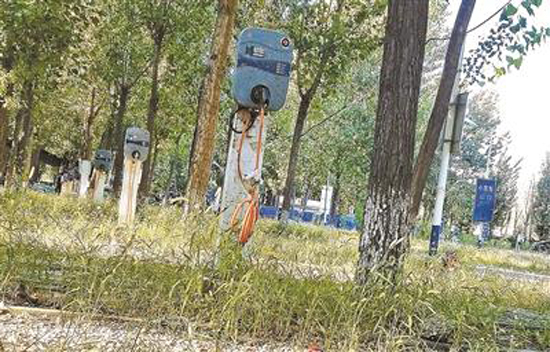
251, 204
481, 24
232, 118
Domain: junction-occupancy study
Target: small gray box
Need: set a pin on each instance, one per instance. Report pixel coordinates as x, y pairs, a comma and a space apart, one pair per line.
102, 160
136, 144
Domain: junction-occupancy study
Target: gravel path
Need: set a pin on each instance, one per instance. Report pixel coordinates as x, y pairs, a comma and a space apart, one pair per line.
32, 332
512, 274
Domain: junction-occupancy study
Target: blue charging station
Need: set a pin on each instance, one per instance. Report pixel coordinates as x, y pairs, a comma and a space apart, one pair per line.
264, 60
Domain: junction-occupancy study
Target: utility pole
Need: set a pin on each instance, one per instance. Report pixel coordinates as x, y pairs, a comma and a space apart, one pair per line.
452, 135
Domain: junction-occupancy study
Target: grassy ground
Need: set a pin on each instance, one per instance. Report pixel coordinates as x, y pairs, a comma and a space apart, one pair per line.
295, 285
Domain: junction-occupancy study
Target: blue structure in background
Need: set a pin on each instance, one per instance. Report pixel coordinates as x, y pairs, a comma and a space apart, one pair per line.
268, 212
484, 206
308, 216
344, 222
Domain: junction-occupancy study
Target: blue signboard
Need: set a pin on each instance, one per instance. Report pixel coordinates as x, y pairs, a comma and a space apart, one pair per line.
484, 206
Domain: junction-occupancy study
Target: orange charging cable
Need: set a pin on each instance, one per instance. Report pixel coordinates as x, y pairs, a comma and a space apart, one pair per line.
251, 204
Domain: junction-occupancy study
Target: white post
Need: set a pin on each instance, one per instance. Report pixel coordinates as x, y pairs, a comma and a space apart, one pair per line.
445, 159
233, 190
442, 184
85, 167
128, 195
98, 183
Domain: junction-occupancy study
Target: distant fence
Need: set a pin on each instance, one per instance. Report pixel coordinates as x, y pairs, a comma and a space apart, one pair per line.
345, 222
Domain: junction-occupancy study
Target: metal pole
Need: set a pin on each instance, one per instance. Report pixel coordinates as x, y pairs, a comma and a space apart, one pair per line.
442, 183
445, 159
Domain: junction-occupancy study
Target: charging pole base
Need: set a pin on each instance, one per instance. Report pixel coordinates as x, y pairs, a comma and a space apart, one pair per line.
128, 195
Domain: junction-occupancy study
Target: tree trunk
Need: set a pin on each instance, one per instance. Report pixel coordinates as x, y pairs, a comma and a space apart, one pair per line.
335, 196
209, 105
35, 165
4, 131
441, 104
148, 168
153, 156
7, 65
86, 150
303, 110
124, 94
12, 159
173, 160
385, 238
27, 128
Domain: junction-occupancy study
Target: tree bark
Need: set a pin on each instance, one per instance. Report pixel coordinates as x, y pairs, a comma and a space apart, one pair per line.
441, 104
303, 110
335, 196
4, 131
209, 105
148, 165
27, 127
7, 63
385, 238
12, 158
173, 160
124, 94
86, 150
35, 165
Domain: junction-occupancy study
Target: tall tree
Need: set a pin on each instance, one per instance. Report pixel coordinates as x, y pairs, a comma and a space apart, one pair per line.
385, 238
160, 18
125, 62
441, 104
37, 37
541, 204
328, 36
209, 104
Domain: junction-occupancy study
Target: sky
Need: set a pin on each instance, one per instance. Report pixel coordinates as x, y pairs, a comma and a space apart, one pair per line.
524, 94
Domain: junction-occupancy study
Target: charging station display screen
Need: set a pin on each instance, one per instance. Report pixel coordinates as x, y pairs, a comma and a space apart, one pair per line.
264, 59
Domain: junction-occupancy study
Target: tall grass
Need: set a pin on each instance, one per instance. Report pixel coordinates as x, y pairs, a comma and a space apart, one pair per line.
295, 285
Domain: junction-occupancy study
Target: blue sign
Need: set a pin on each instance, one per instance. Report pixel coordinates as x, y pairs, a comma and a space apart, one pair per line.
269, 212
484, 206
264, 60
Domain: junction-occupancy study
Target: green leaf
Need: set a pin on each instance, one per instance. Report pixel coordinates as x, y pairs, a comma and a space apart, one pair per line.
522, 22
517, 62
510, 10
527, 5
537, 3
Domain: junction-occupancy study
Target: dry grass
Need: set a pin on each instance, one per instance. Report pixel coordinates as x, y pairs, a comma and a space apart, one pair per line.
294, 287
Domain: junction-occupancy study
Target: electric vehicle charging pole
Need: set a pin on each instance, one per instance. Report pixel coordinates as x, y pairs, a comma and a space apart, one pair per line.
233, 189
136, 149
260, 84
451, 143
102, 166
